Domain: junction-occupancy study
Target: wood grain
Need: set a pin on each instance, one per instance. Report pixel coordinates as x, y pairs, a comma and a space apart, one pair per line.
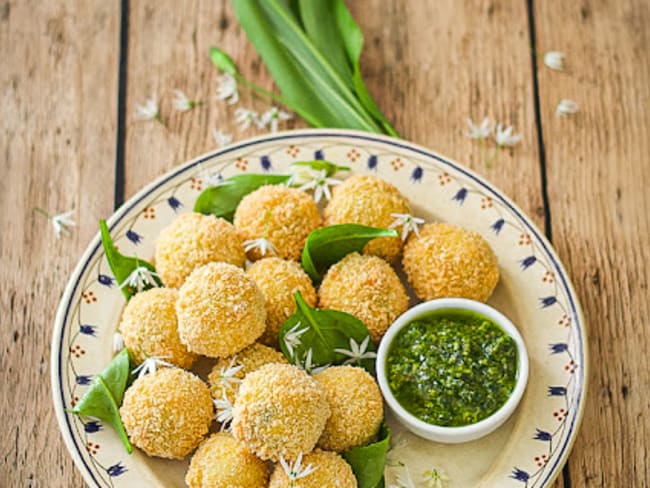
57, 134
598, 173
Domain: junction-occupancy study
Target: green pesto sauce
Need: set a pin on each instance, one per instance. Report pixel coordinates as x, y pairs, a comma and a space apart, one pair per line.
452, 367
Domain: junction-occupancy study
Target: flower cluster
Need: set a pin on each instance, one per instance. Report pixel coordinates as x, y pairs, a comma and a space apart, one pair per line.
503, 136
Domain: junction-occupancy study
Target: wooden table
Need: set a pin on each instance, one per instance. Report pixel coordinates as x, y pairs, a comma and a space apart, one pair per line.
72, 72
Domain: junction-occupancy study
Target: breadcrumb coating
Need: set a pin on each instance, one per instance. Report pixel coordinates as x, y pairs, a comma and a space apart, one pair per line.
193, 240
368, 200
220, 310
366, 287
284, 216
356, 404
167, 413
450, 261
331, 471
149, 327
250, 359
221, 461
279, 280
279, 410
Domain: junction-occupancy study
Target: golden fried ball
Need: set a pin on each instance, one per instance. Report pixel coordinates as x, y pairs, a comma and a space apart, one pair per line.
356, 404
220, 310
279, 280
368, 200
221, 461
193, 240
279, 410
366, 287
167, 413
149, 327
332, 471
450, 261
224, 383
282, 215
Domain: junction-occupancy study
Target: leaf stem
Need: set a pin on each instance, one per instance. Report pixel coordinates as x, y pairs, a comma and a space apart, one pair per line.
488, 162
42, 212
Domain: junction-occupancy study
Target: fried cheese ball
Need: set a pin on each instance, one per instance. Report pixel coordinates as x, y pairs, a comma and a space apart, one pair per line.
356, 404
279, 280
368, 200
450, 261
192, 240
225, 383
279, 411
366, 287
221, 461
284, 216
331, 471
220, 310
149, 327
167, 413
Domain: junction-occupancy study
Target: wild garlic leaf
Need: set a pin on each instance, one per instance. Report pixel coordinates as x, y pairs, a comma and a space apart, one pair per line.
222, 200
103, 398
368, 462
222, 61
328, 245
321, 332
131, 273
319, 165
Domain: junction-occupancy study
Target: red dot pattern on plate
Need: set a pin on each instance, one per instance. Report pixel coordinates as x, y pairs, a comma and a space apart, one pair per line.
397, 164
92, 448
89, 297
541, 460
549, 277
74, 401
560, 414
77, 351
241, 164
486, 202
565, 320
571, 366
149, 213
353, 155
524, 239
196, 184
444, 178
293, 150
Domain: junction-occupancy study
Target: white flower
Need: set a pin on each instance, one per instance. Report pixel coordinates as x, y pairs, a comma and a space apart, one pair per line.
505, 137
181, 102
264, 245
408, 224
221, 138
435, 478
148, 111
227, 374
227, 89
245, 117
320, 183
295, 471
224, 412
272, 117
478, 131
554, 60
118, 342
566, 107
139, 278
308, 364
292, 337
150, 365
357, 352
61, 223
405, 481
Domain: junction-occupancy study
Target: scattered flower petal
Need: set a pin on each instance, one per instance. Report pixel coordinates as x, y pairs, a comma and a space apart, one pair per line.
224, 412
118, 342
320, 183
150, 365
295, 471
227, 374
272, 117
265, 246
245, 117
149, 110
182, 103
554, 60
435, 478
478, 131
566, 107
227, 89
407, 222
139, 278
308, 364
504, 136
357, 352
61, 223
292, 337
222, 139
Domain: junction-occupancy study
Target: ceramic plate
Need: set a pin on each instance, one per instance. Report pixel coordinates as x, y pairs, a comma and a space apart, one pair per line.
534, 292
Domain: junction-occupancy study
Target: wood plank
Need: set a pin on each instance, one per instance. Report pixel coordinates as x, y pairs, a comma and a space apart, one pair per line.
598, 173
58, 83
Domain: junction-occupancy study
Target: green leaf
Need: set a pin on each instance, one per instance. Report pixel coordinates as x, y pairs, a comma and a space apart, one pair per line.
222, 200
222, 61
319, 165
328, 245
122, 266
369, 462
324, 331
103, 398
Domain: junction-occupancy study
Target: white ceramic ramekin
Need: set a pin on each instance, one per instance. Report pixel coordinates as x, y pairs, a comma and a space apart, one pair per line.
465, 433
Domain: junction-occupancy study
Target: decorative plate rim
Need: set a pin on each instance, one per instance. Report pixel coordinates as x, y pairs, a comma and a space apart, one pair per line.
65, 301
